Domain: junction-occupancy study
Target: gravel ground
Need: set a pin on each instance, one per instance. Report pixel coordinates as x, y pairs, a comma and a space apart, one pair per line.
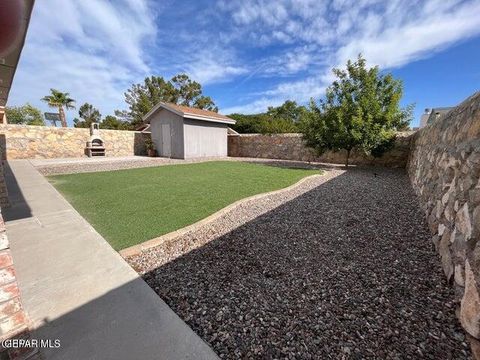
342, 267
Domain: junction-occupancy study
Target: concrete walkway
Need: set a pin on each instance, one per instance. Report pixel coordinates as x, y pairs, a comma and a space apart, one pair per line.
76, 288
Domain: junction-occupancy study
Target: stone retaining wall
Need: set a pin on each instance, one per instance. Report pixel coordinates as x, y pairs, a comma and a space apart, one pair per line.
28, 142
444, 168
291, 147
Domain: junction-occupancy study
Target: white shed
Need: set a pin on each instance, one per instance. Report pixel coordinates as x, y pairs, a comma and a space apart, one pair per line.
182, 132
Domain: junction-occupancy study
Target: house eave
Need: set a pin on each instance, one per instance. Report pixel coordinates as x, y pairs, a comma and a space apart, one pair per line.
9, 60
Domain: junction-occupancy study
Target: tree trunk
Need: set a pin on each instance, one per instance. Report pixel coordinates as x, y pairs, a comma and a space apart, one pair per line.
348, 156
63, 120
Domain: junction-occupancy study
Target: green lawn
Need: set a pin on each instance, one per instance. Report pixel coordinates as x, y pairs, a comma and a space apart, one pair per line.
131, 206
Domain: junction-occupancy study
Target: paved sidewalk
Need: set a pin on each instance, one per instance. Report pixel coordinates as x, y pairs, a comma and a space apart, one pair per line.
76, 288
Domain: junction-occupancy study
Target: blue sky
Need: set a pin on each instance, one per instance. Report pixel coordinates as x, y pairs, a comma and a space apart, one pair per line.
247, 54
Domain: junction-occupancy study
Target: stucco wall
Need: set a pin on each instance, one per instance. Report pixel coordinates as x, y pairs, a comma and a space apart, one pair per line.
444, 168
27, 142
175, 122
204, 139
291, 147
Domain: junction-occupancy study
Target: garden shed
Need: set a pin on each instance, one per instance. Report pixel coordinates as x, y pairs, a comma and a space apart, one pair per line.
182, 132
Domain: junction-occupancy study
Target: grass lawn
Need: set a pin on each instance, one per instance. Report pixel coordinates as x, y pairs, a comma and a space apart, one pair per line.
131, 206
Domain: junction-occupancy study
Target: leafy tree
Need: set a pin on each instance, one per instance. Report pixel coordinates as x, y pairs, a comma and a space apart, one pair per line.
281, 119
361, 110
26, 114
249, 124
113, 123
289, 111
141, 98
88, 114
206, 103
58, 100
189, 93
279, 126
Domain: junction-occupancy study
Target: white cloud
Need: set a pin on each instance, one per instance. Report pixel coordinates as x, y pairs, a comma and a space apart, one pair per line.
279, 50
210, 66
271, 13
416, 37
291, 62
256, 106
92, 49
389, 34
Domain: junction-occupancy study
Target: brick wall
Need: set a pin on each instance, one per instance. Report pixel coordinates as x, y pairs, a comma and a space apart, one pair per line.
444, 168
13, 320
291, 147
28, 142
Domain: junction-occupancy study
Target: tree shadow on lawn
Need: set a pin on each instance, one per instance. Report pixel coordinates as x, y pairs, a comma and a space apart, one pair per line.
344, 270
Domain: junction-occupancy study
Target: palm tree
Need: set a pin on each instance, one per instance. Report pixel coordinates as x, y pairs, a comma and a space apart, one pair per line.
57, 99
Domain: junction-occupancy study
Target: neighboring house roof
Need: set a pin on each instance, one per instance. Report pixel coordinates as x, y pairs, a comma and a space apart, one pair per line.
190, 113
436, 113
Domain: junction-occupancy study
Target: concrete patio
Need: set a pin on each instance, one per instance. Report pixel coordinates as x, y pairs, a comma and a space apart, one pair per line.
76, 288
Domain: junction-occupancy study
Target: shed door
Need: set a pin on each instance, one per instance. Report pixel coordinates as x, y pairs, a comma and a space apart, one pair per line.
166, 141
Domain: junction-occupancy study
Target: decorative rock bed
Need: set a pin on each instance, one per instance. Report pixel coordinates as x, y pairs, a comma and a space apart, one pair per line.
340, 267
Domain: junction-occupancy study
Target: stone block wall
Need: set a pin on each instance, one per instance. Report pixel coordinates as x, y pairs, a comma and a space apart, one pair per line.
444, 168
28, 142
292, 147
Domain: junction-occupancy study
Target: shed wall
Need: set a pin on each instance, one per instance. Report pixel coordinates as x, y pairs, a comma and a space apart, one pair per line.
203, 138
175, 121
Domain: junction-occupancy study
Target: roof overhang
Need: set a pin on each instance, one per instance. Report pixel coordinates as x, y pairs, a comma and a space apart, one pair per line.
186, 115
10, 56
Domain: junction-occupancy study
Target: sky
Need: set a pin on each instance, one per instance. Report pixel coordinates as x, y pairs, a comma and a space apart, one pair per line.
247, 54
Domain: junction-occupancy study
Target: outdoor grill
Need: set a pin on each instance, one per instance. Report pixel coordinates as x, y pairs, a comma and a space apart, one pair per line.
95, 146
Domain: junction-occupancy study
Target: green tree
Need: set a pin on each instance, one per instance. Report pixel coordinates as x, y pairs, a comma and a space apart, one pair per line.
141, 98
361, 109
281, 119
26, 114
289, 111
88, 115
189, 93
58, 100
248, 124
278, 126
113, 123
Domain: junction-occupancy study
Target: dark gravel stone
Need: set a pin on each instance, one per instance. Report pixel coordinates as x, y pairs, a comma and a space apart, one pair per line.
344, 270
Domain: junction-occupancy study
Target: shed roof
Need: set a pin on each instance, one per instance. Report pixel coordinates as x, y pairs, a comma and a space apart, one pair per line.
190, 113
